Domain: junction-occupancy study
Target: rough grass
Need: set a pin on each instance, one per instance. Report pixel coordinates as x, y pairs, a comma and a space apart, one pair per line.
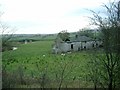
36, 65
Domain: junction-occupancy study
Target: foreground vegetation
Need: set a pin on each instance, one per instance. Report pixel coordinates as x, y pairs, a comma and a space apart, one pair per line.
33, 65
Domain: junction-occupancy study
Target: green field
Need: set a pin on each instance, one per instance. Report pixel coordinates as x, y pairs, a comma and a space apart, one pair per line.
33, 65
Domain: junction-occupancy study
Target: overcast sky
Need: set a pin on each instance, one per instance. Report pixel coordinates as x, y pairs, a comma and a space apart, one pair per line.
48, 16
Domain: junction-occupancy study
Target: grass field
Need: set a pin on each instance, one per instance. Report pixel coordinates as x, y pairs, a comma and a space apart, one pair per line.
33, 65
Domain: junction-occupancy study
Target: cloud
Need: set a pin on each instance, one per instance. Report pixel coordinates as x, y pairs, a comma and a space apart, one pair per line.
47, 16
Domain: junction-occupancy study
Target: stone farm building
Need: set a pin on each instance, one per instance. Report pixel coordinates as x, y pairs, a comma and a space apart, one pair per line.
75, 44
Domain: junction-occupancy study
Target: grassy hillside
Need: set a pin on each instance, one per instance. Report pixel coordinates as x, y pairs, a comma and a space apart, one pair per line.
34, 64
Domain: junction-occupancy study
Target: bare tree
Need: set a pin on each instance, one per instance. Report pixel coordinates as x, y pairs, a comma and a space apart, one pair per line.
110, 29
6, 33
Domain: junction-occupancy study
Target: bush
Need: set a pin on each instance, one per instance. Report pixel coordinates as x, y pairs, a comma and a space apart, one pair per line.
7, 46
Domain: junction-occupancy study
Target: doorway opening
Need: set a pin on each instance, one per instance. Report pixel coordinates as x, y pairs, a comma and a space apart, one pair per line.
71, 46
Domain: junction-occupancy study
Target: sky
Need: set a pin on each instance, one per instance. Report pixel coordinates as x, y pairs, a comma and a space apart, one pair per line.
48, 16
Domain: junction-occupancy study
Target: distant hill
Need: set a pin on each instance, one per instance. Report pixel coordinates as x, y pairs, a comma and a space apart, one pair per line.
40, 37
